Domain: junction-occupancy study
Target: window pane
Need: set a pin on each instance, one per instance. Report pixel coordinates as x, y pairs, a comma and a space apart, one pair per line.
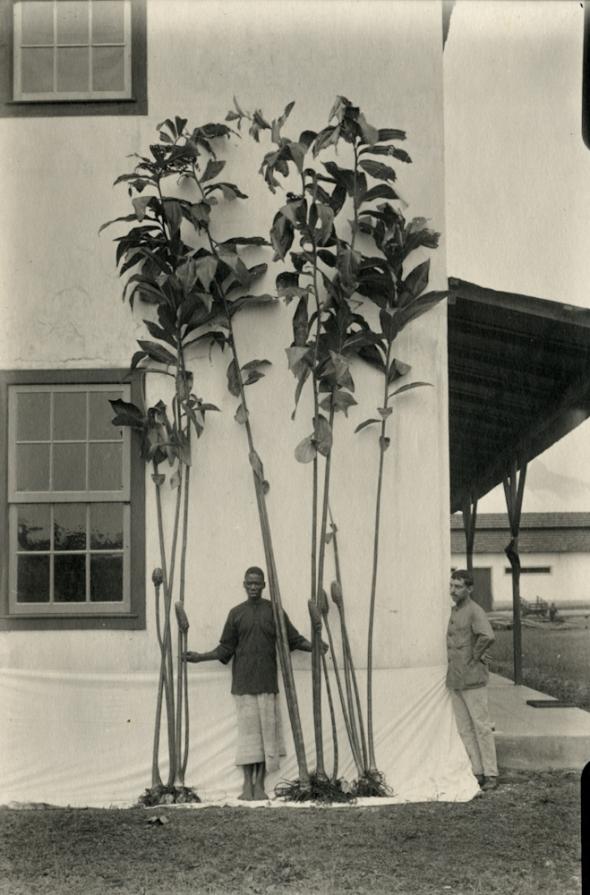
32, 579
72, 22
37, 71
106, 526
108, 24
108, 68
72, 70
32, 416
101, 414
37, 22
106, 469
32, 467
69, 415
69, 526
33, 527
69, 467
69, 583
106, 579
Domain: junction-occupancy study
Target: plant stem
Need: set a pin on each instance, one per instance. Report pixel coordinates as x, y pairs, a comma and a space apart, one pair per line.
165, 682
280, 626
382, 449
332, 719
357, 723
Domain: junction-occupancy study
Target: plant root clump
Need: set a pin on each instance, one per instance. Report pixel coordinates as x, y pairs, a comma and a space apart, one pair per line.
167, 795
319, 789
372, 784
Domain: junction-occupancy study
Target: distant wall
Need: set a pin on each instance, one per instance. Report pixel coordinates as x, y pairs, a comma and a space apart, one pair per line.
567, 583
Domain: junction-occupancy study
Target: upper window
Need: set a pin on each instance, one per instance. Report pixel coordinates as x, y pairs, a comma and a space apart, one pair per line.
73, 57
72, 50
69, 503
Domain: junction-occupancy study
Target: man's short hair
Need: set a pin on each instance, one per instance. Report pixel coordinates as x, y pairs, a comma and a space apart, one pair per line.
464, 575
254, 569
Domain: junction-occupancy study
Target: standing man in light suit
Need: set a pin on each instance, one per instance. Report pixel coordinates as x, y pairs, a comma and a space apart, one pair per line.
469, 635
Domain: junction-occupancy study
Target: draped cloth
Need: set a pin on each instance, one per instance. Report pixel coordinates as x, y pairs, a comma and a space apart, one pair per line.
260, 730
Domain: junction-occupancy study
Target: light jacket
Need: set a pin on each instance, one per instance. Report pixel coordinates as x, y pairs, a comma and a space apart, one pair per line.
469, 635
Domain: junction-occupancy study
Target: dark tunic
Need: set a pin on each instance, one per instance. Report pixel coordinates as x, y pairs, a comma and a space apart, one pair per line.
249, 636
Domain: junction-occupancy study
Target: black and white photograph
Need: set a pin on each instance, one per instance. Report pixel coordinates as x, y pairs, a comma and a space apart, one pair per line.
294, 447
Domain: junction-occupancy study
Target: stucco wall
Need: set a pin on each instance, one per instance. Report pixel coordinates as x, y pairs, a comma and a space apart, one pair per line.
61, 307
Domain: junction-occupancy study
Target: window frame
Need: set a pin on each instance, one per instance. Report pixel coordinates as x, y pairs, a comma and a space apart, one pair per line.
69, 96
69, 615
530, 570
135, 104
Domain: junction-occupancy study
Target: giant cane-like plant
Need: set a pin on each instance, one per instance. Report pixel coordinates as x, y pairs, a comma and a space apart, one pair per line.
197, 282
332, 275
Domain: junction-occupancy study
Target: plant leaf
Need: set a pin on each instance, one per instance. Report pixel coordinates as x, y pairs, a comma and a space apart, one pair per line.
253, 376
173, 212
323, 435
366, 423
212, 170
380, 191
206, 270
241, 414
157, 352
389, 133
305, 451
340, 400
377, 169
410, 385
251, 301
233, 379
417, 280
127, 414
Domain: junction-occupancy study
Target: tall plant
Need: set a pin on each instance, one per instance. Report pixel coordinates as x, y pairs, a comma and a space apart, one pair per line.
344, 249
197, 283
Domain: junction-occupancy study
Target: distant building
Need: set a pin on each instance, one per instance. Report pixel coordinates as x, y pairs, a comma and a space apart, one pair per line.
554, 554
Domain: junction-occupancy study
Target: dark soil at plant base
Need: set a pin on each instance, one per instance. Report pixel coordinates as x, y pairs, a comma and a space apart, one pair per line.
523, 838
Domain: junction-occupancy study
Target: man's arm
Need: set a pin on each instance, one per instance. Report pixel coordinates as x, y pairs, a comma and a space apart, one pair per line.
190, 656
224, 649
484, 635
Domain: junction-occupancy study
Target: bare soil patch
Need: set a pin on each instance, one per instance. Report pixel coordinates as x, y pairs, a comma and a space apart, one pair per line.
524, 838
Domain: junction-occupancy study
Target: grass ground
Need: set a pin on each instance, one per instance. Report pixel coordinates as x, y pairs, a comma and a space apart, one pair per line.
555, 661
523, 838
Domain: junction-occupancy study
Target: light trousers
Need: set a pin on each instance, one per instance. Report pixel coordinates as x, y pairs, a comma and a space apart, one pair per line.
475, 729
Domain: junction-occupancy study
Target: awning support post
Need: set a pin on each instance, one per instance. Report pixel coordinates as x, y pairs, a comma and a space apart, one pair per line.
514, 489
469, 518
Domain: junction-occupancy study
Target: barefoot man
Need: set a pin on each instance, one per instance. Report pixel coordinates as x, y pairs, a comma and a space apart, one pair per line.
249, 637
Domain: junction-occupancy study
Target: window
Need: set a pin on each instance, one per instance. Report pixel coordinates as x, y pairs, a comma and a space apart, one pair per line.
74, 57
74, 501
530, 570
72, 49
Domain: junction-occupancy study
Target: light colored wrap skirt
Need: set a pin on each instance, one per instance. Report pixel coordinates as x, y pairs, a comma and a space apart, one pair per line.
260, 731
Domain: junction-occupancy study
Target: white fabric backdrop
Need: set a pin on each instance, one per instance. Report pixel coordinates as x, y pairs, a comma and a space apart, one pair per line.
86, 740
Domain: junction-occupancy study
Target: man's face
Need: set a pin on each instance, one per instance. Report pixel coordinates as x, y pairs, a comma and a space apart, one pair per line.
254, 585
460, 590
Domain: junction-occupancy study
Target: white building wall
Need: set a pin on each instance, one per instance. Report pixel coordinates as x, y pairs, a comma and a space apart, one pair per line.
567, 583
61, 308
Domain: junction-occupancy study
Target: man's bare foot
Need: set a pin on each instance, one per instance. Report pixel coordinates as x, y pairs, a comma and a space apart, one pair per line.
247, 794
260, 795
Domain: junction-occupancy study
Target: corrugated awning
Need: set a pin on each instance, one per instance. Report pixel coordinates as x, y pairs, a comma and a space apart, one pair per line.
519, 380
